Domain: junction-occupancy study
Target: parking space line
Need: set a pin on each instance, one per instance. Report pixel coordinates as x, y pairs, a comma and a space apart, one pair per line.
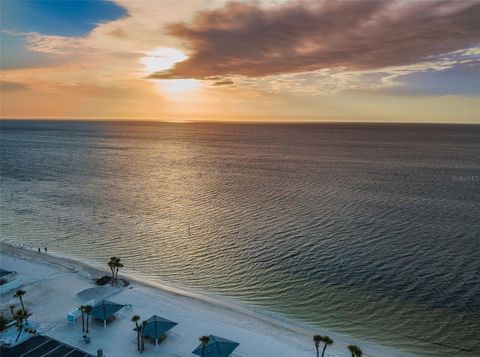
33, 349
61, 345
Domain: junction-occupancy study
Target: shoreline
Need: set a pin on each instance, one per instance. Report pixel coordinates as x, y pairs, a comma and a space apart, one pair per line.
276, 328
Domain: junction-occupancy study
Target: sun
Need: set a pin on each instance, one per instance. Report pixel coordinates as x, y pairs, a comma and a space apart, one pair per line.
164, 58
161, 59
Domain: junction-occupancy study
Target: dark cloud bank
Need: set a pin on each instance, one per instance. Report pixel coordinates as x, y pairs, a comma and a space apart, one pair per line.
250, 40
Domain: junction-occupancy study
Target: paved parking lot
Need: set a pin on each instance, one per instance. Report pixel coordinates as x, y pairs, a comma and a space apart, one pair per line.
42, 346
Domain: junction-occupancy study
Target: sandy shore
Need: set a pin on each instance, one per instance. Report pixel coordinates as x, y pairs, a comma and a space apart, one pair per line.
56, 285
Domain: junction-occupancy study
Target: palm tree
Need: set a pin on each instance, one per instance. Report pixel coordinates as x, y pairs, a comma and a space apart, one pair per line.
111, 265
359, 352
19, 294
204, 341
355, 351
352, 350
87, 309
135, 320
118, 265
317, 339
3, 323
114, 265
83, 317
20, 315
19, 319
327, 342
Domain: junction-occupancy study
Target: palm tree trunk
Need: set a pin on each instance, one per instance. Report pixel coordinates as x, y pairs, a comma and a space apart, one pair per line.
21, 302
142, 348
203, 350
138, 336
88, 316
324, 348
112, 270
19, 330
23, 307
83, 319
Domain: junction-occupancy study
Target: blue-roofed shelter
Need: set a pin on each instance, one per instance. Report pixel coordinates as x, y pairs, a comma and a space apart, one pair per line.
157, 327
104, 310
216, 347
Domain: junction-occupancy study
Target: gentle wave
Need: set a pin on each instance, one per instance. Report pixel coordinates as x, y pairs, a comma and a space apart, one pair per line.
368, 231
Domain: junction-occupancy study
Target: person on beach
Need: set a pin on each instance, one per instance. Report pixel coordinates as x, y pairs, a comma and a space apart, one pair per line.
45, 250
38, 250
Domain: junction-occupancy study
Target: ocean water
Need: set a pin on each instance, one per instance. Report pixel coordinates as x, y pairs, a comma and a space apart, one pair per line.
369, 230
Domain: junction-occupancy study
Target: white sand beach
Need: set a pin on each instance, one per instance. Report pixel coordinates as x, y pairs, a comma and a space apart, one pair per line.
56, 285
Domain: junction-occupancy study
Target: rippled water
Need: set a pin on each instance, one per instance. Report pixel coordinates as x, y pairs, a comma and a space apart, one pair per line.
369, 230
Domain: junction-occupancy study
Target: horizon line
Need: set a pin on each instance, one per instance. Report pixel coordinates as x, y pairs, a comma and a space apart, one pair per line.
233, 121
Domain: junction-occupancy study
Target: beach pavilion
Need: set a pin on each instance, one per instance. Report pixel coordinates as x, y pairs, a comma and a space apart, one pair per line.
105, 310
216, 347
157, 327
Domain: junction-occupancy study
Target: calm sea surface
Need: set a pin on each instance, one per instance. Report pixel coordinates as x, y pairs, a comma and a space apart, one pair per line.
368, 230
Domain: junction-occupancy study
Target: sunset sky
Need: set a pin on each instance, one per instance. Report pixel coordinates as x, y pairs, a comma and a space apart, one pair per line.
393, 61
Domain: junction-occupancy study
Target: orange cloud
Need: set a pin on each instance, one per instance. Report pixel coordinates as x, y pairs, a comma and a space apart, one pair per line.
255, 41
